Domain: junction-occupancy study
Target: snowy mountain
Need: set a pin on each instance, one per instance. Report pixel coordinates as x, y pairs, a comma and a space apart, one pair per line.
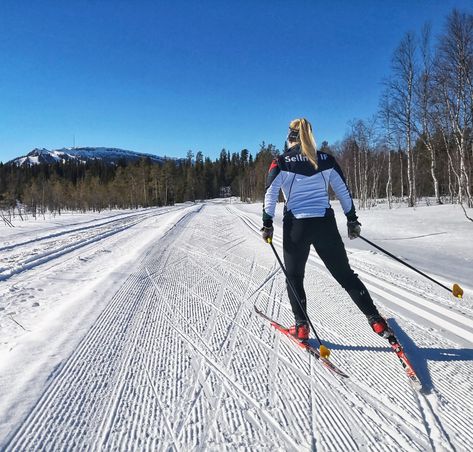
84, 154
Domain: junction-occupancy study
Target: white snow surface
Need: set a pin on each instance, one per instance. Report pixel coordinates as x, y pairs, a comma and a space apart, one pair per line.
135, 330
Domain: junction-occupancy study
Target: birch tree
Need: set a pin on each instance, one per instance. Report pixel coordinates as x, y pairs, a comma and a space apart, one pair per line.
386, 123
402, 98
424, 107
454, 78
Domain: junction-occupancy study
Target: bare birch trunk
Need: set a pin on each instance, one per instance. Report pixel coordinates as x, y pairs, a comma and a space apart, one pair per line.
402, 175
355, 167
389, 185
450, 184
410, 173
365, 178
433, 172
465, 181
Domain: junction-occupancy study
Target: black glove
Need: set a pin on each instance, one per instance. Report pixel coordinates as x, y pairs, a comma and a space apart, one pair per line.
354, 229
267, 233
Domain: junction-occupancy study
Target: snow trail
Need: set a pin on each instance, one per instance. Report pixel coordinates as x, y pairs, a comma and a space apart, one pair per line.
178, 360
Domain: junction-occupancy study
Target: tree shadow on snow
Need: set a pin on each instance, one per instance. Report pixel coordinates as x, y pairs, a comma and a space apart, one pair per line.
417, 355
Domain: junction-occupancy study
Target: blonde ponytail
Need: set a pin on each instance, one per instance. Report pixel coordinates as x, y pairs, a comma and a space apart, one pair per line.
306, 138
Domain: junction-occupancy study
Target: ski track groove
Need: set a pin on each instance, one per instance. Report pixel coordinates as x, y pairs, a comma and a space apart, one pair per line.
439, 439
197, 335
73, 242
54, 404
231, 386
96, 223
230, 339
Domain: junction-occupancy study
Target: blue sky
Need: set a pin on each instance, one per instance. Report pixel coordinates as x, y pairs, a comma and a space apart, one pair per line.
163, 77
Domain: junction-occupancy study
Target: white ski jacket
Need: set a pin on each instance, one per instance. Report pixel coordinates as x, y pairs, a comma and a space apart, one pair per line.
305, 188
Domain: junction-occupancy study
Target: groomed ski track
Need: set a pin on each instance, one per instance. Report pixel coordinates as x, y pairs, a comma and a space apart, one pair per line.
178, 360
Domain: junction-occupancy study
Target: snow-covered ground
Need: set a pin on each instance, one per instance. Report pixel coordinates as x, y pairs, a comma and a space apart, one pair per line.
135, 330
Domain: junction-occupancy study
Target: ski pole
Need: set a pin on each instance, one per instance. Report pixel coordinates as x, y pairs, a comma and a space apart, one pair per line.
324, 351
456, 290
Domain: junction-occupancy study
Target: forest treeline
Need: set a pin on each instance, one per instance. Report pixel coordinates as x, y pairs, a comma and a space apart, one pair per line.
419, 144
96, 185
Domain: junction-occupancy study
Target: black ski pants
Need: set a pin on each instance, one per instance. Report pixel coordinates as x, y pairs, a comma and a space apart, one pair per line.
322, 233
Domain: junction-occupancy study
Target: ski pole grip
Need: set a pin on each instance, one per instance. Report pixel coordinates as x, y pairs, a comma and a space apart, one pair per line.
457, 291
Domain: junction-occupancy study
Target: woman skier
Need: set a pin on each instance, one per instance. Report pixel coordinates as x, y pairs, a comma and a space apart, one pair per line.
304, 175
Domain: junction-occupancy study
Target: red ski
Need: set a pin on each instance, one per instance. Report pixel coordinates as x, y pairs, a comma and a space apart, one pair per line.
406, 364
305, 345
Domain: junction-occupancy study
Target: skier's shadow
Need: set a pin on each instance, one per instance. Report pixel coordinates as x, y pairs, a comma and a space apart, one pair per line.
418, 356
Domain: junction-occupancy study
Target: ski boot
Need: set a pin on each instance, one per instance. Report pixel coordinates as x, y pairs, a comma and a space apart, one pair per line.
300, 331
380, 327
